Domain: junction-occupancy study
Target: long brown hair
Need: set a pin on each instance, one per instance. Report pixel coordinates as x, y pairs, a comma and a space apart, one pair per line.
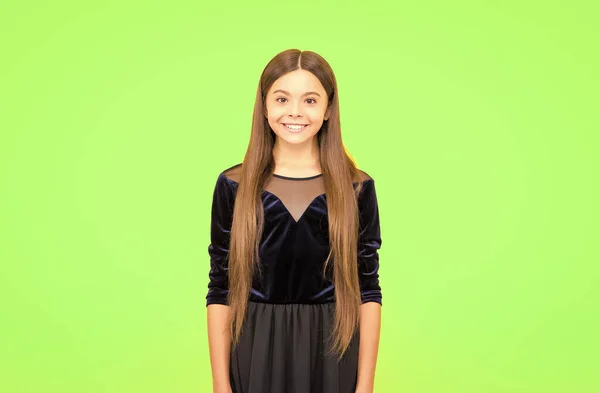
339, 174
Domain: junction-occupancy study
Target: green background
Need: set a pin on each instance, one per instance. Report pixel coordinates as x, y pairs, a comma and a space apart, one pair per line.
478, 120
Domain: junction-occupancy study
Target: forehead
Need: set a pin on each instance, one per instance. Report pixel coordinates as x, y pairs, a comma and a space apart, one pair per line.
298, 82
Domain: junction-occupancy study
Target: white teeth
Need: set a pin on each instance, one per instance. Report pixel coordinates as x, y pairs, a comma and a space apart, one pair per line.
294, 127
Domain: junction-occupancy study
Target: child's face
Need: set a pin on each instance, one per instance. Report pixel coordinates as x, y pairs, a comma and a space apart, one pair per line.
296, 98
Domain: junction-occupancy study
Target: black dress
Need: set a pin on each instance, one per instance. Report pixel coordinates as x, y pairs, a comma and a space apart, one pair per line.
290, 309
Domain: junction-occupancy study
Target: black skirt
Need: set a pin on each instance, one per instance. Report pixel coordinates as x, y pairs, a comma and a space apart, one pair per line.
283, 350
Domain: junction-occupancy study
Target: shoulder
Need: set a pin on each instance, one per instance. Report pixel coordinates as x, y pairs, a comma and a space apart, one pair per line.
364, 176
227, 181
366, 192
232, 174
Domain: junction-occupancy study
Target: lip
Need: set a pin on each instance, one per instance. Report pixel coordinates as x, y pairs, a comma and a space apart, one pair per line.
295, 131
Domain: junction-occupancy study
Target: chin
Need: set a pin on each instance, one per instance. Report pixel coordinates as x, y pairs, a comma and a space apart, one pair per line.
295, 141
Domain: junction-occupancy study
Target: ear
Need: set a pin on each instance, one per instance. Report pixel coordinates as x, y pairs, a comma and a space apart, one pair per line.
327, 113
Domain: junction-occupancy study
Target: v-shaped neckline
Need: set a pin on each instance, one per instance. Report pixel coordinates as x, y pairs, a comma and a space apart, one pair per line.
288, 211
285, 207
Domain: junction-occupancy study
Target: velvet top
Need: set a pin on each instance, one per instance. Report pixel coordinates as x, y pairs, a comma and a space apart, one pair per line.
294, 244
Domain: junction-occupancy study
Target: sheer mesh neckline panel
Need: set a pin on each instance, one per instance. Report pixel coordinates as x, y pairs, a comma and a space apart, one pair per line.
296, 178
296, 194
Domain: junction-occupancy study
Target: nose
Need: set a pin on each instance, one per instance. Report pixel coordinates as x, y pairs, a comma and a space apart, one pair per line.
295, 109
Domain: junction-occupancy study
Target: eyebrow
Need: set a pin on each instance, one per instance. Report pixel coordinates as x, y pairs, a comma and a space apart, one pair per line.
305, 94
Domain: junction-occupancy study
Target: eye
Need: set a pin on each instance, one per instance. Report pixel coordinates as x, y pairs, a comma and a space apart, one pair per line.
283, 98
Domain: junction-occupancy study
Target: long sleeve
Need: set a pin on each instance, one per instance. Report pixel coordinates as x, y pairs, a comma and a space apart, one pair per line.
369, 242
220, 229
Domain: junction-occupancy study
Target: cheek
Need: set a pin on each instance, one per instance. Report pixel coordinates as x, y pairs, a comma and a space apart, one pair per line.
275, 113
315, 115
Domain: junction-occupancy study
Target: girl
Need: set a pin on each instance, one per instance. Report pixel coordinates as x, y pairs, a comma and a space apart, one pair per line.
294, 302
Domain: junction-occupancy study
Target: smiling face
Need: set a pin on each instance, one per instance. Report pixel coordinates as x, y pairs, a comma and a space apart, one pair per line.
296, 106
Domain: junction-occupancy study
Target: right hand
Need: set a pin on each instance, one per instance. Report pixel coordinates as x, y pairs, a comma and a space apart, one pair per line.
222, 389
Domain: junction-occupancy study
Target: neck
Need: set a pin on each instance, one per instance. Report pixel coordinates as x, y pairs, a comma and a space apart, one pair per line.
297, 158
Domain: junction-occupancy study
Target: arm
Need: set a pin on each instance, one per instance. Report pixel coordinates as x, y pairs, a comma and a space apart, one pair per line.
219, 341
368, 268
370, 323
218, 311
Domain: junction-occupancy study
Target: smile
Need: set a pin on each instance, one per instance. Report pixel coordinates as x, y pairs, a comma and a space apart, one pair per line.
294, 127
